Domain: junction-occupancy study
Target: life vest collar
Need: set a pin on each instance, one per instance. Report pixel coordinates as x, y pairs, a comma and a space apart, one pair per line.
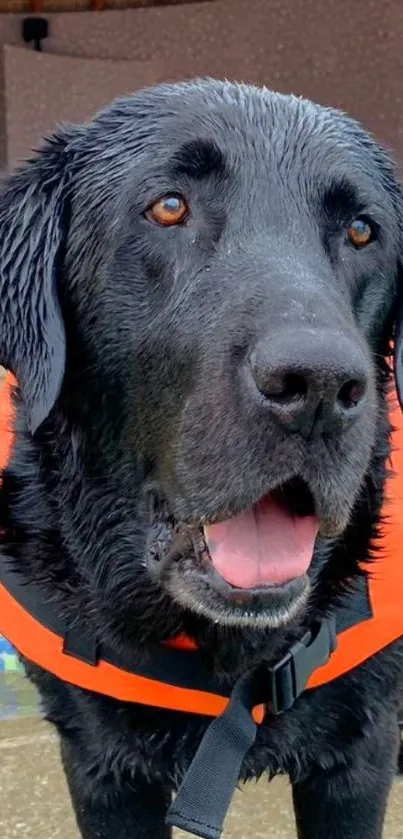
175, 677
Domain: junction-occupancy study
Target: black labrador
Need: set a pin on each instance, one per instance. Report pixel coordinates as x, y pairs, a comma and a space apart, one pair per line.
198, 291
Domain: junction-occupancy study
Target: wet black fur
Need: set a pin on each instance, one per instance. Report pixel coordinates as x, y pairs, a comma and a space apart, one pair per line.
127, 341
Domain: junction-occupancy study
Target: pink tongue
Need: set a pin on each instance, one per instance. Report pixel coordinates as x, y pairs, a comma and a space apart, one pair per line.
264, 546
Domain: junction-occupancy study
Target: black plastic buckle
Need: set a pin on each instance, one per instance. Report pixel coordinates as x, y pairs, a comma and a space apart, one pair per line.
288, 678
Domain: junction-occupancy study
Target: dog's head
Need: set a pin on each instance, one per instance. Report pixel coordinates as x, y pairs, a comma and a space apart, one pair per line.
205, 278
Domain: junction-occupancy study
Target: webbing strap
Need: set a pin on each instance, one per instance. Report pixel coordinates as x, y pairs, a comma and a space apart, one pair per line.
203, 799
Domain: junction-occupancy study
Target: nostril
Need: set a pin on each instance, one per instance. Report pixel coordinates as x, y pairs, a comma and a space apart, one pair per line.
295, 387
285, 388
351, 394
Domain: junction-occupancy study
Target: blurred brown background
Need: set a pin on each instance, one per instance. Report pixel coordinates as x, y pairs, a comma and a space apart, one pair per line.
345, 54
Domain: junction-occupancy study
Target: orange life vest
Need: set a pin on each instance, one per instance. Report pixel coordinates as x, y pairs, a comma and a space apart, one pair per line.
193, 692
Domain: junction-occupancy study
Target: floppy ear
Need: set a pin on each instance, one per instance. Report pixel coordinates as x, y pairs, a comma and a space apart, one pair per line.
32, 232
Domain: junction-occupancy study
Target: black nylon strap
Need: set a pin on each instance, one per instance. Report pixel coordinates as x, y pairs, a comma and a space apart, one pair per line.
203, 799
83, 647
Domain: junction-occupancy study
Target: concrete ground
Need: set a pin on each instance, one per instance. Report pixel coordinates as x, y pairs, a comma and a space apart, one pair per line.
34, 802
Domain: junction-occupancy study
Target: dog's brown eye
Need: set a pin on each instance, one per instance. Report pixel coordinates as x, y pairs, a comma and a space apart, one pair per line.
360, 233
167, 211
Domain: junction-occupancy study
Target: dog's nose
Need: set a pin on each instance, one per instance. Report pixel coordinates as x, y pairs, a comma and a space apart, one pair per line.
312, 380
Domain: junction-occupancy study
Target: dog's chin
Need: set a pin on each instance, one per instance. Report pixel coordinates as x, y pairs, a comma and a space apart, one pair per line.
204, 593
189, 565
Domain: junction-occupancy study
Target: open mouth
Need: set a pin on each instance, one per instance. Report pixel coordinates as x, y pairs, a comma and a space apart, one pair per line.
263, 548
